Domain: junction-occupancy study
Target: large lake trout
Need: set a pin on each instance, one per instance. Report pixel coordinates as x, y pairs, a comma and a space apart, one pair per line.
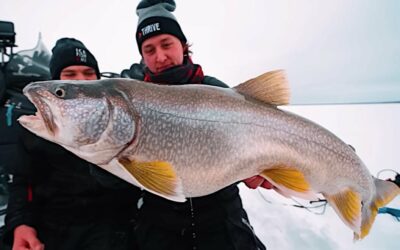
192, 140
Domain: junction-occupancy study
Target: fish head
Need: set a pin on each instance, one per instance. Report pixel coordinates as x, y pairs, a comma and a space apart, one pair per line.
92, 119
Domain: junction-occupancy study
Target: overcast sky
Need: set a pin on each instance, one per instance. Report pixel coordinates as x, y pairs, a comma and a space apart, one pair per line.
333, 51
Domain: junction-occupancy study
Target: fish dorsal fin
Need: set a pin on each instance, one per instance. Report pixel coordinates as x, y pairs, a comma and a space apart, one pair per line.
271, 87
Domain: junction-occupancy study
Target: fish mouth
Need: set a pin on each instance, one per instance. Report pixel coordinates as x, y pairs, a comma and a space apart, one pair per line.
43, 117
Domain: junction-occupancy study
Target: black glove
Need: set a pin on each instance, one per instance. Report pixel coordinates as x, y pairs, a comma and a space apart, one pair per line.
136, 71
397, 180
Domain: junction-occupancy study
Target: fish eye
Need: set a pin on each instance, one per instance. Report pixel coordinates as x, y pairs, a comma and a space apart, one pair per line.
60, 92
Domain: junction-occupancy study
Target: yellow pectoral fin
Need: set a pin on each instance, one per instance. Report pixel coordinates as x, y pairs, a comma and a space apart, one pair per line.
289, 181
347, 205
158, 177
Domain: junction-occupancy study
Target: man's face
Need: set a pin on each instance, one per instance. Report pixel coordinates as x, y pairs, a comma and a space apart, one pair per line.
78, 72
162, 52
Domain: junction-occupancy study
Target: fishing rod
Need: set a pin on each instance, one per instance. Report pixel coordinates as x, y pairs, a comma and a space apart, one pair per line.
310, 208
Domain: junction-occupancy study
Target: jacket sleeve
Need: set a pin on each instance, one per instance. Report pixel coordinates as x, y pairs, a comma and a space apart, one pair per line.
19, 209
209, 80
16, 162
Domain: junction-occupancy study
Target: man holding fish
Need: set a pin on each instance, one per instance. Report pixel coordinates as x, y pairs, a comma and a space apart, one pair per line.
55, 202
180, 142
214, 221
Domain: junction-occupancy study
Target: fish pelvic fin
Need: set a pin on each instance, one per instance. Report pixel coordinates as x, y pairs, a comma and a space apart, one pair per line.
271, 87
347, 204
157, 177
289, 182
386, 191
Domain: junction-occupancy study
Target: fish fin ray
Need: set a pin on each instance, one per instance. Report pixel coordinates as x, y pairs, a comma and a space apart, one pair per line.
289, 182
271, 87
158, 177
347, 204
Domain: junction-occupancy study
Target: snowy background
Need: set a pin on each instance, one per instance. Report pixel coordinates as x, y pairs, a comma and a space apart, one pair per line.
333, 51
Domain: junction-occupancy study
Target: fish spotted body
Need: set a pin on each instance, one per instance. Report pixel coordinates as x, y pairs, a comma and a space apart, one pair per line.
193, 140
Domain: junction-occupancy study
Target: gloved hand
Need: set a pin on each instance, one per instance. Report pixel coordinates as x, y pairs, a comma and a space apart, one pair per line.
396, 180
257, 181
25, 238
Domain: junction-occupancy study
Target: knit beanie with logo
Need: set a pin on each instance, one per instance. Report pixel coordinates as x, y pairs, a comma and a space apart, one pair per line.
155, 18
68, 52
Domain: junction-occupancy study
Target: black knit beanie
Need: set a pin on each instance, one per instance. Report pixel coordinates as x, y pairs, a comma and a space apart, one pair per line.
68, 52
155, 18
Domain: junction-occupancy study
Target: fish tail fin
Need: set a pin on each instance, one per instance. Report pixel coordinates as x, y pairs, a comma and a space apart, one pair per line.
386, 191
289, 182
348, 204
271, 87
